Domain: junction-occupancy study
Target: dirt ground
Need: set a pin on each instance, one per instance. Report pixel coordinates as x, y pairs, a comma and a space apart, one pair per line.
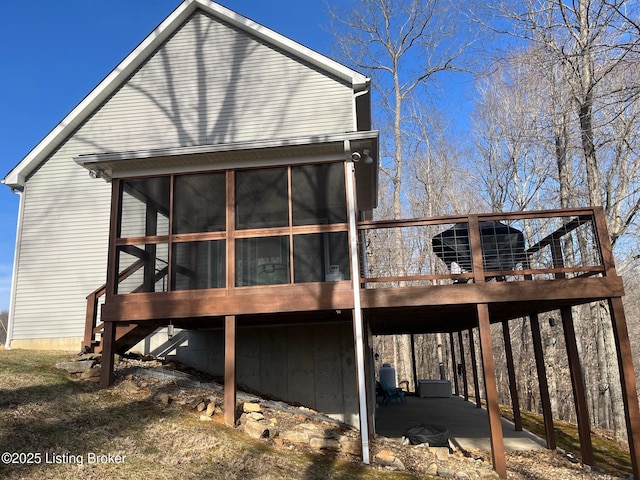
156, 419
193, 387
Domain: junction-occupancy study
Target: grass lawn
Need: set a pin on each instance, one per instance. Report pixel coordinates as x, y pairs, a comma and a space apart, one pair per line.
60, 428
68, 429
610, 456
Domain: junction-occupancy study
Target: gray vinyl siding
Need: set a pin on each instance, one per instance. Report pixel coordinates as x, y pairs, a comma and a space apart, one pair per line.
211, 84
208, 84
63, 250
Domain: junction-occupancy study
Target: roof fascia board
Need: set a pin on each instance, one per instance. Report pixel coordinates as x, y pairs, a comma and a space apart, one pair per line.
16, 178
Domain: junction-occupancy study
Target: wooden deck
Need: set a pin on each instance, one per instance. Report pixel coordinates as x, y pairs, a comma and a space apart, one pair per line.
450, 308
564, 259
459, 274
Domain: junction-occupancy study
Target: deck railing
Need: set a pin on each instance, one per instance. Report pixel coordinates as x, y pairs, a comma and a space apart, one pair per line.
485, 247
93, 326
509, 247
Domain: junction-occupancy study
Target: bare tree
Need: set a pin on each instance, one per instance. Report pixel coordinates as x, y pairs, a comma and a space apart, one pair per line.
512, 150
586, 51
405, 46
4, 320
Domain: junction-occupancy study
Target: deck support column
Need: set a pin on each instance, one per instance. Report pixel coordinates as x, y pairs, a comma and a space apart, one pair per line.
230, 370
627, 380
414, 363
474, 366
456, 388
108, 339
541, 370
108, 344
150, 250
465, 383
513, 388
491, 391
577, 382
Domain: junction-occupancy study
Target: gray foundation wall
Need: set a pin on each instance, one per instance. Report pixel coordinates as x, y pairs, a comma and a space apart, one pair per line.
313, 365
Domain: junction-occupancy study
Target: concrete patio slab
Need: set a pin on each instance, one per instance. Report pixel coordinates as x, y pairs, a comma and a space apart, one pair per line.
468, 425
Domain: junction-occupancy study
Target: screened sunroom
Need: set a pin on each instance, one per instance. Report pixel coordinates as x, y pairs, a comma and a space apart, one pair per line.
276, 225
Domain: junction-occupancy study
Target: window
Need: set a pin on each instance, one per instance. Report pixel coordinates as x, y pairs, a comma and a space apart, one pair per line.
145, 207
200, 203
261, 198
262, 261
318, 194
143, 268
198, 265
321, 257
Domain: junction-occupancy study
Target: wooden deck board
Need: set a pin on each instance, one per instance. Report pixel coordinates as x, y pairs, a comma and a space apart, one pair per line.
446, 308
449, 308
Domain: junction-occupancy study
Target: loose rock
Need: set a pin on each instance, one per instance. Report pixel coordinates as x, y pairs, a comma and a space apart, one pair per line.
324, 444
432, 469
256, 429
93, 372
441, 453
295, 437
352, 447
76, 367
250, 407
129, 386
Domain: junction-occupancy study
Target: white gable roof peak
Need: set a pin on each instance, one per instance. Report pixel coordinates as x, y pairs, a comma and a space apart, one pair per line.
357, 80
17, 177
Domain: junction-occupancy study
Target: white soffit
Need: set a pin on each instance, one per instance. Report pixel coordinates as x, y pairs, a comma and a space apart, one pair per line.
205, 157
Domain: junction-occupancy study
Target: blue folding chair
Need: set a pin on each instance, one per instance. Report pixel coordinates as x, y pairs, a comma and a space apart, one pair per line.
395, 394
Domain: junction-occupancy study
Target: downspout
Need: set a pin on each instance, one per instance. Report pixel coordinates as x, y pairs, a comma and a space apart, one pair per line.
355, 105
358, 329
14, 274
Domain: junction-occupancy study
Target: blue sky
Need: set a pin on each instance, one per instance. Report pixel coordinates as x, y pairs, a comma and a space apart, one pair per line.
54, 53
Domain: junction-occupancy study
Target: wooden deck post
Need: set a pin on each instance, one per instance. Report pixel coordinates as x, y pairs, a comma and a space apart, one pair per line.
90, 322
456, 388
513, 388
623, 347
230, 370
112, 253
627, 380
108, 344
577, 382
474, 366
541, 370
414, 364
475, 244
491, 391
150, 250
465, 383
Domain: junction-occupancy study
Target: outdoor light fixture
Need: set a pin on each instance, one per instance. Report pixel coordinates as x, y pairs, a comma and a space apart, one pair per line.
170, 330
100, 172
357, 156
